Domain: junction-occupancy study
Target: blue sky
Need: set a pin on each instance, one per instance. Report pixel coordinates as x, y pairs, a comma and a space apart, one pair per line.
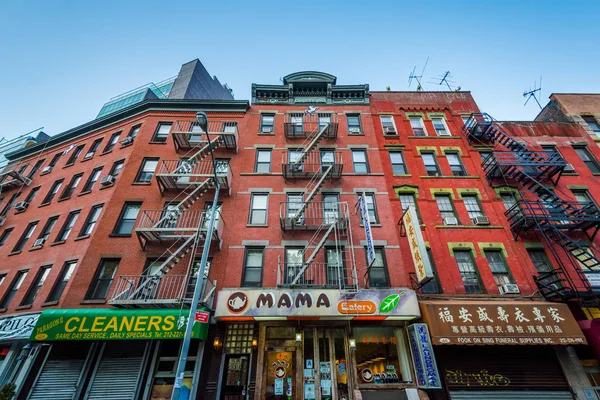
61, 60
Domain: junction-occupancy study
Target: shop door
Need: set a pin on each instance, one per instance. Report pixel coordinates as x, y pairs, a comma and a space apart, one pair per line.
281, 374
325, 375
236, 377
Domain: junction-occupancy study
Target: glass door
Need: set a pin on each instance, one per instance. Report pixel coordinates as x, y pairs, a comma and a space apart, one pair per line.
280, 371
236, 377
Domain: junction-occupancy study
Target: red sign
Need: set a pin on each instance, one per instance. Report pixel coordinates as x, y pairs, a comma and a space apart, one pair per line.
202, 316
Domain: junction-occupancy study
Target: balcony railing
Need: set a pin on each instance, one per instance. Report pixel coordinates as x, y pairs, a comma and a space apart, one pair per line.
563, 215
317, 275
189, 134
314, 162
164, 225
14, 175
539, 164
133, 291
477, 126
315, 215
177, 174
304, 125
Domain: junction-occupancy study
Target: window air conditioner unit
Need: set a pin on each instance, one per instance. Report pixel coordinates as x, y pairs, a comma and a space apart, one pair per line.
39, 242
2, 220
47, 169
389, 130
21, 206
450, 221
88, 155
107, 180
481, 220
354, 130
569, 168
509, 288
126, 141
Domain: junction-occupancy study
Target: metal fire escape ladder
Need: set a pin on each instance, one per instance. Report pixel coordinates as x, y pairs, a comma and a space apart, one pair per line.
192, 160
311, 143
318, 248
313, 188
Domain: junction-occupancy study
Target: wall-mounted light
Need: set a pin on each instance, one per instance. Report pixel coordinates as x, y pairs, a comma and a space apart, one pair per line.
298, 338
254, 343
352, 343
217, 343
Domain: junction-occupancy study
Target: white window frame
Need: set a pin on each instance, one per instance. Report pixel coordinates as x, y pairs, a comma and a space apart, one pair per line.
420, 119
391, 117
449, 133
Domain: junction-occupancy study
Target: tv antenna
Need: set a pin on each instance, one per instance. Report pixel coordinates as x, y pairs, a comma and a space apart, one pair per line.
534, 93
445, 79
417, 77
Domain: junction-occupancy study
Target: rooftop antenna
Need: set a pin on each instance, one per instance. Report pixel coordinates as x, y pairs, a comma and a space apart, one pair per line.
445, 79
417, 77
535, 92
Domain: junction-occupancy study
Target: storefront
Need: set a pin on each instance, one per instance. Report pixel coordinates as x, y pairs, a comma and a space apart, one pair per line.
507, 350
15, 348
316, 344
107, 353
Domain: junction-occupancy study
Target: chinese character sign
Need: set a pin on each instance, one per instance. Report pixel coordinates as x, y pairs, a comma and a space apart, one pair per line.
417, 245
364, 212
424, 362
490, 322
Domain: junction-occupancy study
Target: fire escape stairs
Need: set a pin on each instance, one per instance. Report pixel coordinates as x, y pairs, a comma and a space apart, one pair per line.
312, 141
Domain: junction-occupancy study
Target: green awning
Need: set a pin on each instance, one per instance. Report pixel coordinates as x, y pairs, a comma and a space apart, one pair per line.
111, 324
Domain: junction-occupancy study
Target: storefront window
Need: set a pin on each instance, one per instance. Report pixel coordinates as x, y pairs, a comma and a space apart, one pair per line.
239, 338
377, 355
164, 377
341, 370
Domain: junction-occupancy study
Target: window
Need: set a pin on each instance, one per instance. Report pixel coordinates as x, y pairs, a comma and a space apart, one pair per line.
294, 204
207, 214
331, 207
294, 260
387, 123
498, 266
116, 168
25, 236
11, 202
267, 123
47, 229
36, 168
67, 227
147, 169
588, 159
104, 276
468, 271
162, 132
444, 203
22, 169
53, 190
431, 166
36, 285
508, 199
258, 209
296, 123
417, 126
334, 261
263, 160
440, 126
76, 152
371, 209
91, 220
14, 287
473, 207
62, 280
253, 266
378, 274
55, 159
71, 187
32, 194
5, 235
398, 164
112, 142
433, 286
593, 124
93, 149
327, 158
465, 119
354, 125
540, 261
456, 165
359, 161
134, 131
485, 157
127, 219
94, 176
222, 166
324, 119
377, 342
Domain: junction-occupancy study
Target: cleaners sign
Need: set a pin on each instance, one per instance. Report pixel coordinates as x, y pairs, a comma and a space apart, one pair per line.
108, 324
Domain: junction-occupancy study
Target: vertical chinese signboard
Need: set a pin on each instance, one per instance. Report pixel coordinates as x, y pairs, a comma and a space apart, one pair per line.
426, 369
417, 245
364, 212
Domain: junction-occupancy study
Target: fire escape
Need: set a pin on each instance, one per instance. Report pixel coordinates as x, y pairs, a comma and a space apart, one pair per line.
567, 227
11, 177
328, 220
177, 226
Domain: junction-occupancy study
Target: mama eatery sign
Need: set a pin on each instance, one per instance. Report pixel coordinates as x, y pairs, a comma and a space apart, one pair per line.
395, 303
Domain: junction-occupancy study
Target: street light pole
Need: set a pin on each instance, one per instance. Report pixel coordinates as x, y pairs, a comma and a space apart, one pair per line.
202, 120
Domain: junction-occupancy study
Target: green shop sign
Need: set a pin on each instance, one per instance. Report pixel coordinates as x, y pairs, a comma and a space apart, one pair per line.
109, 324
